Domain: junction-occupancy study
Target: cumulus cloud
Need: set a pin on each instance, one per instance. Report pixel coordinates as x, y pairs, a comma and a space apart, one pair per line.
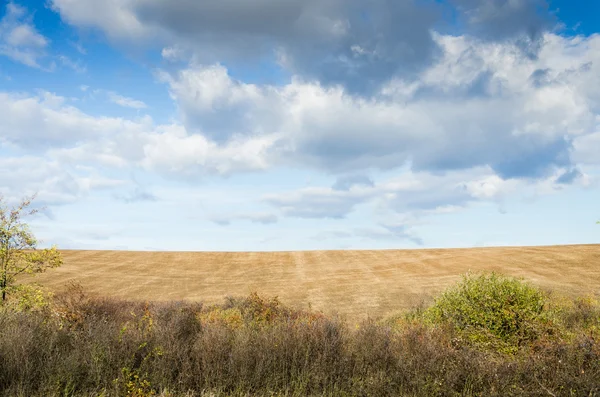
519, 127
501, 19
329, 40
359, 45
411, 194
54, 183
454, 117
399, 204
479, 122
49, 123
47, 120
19, 39
174, 152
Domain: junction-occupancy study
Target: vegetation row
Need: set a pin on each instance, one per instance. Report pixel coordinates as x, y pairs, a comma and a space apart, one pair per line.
489, 335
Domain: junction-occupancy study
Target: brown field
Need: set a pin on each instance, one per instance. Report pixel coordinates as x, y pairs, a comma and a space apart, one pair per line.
353, 283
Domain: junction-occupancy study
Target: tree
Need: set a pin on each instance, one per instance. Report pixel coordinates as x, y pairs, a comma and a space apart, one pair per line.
18, 246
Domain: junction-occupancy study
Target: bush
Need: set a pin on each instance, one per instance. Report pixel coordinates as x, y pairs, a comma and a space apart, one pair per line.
493, 311
252, 346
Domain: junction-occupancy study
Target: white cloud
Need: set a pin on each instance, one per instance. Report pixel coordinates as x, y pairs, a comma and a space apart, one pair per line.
174, 53
264, 218
175, 152
482, 124
19, 39
586, 149
482, 104
118, 99
517, 128
77, 66
48, 121
126, 102
401, 201
54, 182
319, 203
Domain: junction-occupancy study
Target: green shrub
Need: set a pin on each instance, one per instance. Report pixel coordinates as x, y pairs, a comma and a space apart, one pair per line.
493, 311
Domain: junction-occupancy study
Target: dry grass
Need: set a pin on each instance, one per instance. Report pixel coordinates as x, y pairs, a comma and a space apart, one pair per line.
353, 283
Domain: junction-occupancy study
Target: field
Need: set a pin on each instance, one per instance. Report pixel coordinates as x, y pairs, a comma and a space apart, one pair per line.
352, 283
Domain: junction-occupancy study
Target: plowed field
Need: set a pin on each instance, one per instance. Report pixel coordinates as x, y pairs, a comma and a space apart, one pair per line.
354, 283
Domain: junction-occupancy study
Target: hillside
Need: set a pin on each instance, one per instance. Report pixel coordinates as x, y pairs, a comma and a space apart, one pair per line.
354, 283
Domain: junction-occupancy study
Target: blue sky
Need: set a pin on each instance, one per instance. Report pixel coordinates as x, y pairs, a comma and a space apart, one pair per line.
295, 125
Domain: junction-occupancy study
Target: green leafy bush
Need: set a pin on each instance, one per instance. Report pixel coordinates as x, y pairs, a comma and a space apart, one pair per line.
493, 310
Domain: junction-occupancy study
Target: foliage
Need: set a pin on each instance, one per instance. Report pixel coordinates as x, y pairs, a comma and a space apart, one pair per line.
18, 246
493, 310
28, 298
253, 346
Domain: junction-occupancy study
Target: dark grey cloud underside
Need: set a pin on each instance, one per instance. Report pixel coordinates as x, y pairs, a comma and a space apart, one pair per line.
569, 177
511, 156
356, 43
503, 19
348, 181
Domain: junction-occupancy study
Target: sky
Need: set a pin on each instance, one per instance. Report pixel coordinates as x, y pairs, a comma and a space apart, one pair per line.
276, 125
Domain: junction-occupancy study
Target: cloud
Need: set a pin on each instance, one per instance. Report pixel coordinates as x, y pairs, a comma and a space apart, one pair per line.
502, 19
332, 234
411, 192
356, 44
586, 149
454, 137
380, 233
138, 195
328, 40
117, 99
518, 128
77, 66
54, 183
503, 118
400, 202
262, 218
347, 182
394, 233
317, 203
114, 16
47, 123
173, 152
19, 39
125, 102
569, 176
